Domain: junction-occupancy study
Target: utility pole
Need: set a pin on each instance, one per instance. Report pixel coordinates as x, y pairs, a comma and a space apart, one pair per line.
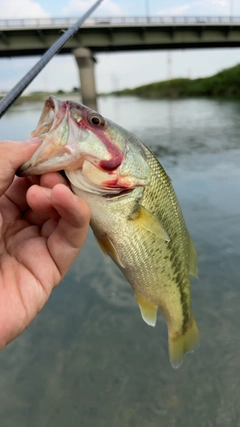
169, 66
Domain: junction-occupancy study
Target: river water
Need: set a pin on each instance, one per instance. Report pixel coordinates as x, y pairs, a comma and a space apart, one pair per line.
88, 359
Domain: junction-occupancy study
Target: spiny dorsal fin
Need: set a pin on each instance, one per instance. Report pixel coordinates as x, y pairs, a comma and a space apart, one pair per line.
145, 219
109, 249
148, 310
192, 258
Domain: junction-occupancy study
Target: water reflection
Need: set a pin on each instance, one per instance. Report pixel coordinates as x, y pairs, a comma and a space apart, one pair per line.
89, 359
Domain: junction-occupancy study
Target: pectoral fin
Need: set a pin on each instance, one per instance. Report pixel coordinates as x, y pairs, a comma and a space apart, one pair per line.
192, 257
148, 310
109, 249
145, 219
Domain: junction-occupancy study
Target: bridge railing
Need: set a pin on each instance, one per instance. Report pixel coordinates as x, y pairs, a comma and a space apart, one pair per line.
118, 20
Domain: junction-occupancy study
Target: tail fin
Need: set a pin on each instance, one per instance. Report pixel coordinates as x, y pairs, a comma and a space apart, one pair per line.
181, 344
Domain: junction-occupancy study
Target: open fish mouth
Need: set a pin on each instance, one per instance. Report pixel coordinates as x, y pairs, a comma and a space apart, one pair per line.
75, 139
62, 135
55, 129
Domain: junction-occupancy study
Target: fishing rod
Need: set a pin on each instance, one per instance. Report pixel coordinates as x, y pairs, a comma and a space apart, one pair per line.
17, 90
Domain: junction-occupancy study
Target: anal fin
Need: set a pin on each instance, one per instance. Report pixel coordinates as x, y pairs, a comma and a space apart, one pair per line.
148, 310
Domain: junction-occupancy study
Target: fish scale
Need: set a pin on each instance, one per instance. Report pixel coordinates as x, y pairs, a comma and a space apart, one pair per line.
169, 212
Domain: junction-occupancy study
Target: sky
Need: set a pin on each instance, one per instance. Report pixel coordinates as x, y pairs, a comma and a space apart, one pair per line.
116, 71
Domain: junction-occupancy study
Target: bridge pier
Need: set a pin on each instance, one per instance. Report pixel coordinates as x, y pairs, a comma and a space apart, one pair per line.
86, 62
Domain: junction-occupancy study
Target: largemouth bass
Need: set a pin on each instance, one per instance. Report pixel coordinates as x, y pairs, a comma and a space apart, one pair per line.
136, 217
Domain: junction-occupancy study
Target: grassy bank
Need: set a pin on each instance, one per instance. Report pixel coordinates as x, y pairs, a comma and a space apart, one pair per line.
223, 84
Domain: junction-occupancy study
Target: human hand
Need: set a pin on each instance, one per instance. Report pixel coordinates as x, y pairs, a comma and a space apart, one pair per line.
43, 225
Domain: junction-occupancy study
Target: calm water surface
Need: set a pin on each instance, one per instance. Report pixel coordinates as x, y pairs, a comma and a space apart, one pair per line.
88, 359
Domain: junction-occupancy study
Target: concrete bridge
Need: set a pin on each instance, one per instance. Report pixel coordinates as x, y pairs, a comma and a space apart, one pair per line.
28, 37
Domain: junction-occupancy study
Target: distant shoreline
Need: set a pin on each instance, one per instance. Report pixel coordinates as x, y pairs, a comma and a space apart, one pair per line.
223, 84
41, 96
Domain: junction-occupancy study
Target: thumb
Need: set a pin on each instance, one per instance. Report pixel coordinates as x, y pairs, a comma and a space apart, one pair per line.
12, 155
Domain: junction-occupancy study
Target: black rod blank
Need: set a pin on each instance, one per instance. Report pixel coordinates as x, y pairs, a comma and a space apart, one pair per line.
17, 90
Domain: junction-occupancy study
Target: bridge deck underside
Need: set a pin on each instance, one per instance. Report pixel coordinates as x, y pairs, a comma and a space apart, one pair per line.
27, 42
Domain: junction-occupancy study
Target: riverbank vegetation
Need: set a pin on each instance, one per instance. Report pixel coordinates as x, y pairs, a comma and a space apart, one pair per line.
226, 83
223, 84
41, 95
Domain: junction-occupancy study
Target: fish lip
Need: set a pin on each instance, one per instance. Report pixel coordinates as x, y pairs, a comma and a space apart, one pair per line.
41, 160
46, 121
54, 113
52, 103
34, 166
20, 171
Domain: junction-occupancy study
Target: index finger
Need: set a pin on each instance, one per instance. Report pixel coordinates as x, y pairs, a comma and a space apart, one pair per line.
68, 237
12, 155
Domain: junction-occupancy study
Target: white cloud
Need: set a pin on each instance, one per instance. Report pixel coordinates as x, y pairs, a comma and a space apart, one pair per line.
173, 11
15, 9
222, 3
78, 7
203, 8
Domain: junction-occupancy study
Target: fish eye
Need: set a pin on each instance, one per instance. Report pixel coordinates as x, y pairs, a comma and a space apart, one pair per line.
96, 120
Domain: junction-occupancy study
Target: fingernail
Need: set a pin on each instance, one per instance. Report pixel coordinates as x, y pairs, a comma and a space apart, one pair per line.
30, 141
33, 141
